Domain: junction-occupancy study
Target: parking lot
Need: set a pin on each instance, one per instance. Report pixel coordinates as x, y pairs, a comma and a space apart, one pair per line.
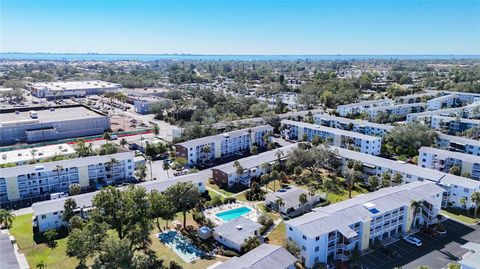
435, 252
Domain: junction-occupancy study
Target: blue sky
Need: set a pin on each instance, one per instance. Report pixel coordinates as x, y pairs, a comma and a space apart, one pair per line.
241, 27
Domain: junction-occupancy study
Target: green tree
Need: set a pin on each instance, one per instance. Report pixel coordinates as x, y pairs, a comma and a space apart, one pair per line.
373, 182
279, 203
74, 189
141, 172
303, 200
455, 170
292, 247
162, 207
6, 218
107, 137
250, 243
186, 197
166, 167
386, 180
123, 142
83, 243
156, 130
69, 209
239, 170
476, 200
351, 177
114, 253
50, 237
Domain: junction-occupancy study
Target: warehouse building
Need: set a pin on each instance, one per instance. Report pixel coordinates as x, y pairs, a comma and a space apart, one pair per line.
40, 124
67, 89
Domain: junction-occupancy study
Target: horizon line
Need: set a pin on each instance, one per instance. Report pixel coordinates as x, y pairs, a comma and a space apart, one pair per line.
209, 54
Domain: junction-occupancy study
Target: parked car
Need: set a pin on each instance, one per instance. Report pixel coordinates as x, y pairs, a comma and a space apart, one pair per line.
412, 240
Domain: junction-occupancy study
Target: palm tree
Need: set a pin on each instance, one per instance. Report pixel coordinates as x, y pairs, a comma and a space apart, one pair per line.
397, 178
250, 243
150, 161
239, 170
6, 218
58, 168
274, 175
416, 206
303, 199
373, 181
32, 152
351, 176
41, 265
107, 136
279, 203
166, 167
110, 164
279, 154
205, 150
156, 130
476, 199
123, 142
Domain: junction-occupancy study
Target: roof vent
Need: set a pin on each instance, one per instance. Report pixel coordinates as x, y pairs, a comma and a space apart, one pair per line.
239, 227
17, 112
52, 109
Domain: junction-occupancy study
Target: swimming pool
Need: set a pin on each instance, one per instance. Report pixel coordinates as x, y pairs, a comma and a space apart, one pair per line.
181, 246
233, 213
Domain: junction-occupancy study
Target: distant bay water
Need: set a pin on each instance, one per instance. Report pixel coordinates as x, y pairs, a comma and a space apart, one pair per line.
153, 57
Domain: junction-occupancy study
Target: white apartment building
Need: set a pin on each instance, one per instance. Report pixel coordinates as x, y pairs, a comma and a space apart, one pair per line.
67, 89
358, 126
331, 233
453, 125
226, 174
470, 111
36, 181
295, 130
30, 155
47, 215
445, 101
442, 160
263, 256
221, 145
397, 110
373, 165
357, 108
458, 144
457, 188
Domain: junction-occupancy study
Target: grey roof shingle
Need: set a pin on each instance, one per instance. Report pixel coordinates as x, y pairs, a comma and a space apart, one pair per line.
230, 230
262, 257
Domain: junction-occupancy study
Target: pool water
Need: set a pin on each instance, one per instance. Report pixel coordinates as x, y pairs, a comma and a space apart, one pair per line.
181, 246
233, 213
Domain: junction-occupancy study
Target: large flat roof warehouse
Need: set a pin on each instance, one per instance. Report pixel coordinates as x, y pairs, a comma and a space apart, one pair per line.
77, 85
48, 115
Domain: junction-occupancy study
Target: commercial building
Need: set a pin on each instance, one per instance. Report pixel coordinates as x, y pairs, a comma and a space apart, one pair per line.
453, 125
39, 124
331, 233
295, 130
358, 126
397, 110
357, 108
458, 144
36, 182
261, 257
39, 154
222, 145
290, 197
253, 167
142, 105
233, 234
67, 89
443, 160
48, 214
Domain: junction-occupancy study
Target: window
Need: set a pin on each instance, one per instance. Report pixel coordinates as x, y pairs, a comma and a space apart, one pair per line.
44, 216
290, 228
304, 237
317, 249
304, 248
317, 238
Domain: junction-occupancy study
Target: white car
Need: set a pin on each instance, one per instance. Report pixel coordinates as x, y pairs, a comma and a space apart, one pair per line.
413, 240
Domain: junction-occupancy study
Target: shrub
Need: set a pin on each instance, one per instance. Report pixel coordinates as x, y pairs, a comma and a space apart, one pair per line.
229, 253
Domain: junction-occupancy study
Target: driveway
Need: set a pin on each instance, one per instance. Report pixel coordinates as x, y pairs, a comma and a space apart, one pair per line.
435, 252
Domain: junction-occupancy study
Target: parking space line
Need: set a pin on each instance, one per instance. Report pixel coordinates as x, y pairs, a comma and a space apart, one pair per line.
407, 245
376, 258
371, 264
401, 250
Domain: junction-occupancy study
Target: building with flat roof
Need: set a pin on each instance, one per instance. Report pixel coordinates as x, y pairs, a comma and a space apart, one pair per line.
35, 182
331, 233
142, 105
48, 214
261, 257
40, 124
470, 260
29, 155
221, 145
295, 130
456, 188
233, 234
290, 197
453, 125
469, 111
67, 89
254, 167
458, 144
397, 110
358, 126
443, 160
357, 108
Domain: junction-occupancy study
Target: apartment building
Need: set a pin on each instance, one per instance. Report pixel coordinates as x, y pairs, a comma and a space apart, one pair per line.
295, 130
331, 233
470, 111
373, 165
67, 89
221, 145
357, 108
233, 233
458, 144
263, 256
30, 155
453, 125
416, 98
36, 182
358, 126
47, 215
443, 160
290, 197
458, 189
397, 110
38, 124
253, 167
445, 101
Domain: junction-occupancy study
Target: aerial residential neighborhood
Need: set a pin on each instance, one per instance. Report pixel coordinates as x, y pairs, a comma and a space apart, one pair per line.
239, 134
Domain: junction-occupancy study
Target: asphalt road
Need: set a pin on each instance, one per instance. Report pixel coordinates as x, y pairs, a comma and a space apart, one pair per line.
434, 253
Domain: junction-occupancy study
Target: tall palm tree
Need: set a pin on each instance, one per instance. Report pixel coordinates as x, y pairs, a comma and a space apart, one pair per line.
150, 161
6, 218
416, 206
476, 200
58, 168
107, 136
279, 203
303, 199
239, 170
166, 167
110, 164
33, 152
205, 150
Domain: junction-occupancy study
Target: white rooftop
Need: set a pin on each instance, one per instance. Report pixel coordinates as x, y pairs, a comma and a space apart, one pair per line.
77, 85
25, 155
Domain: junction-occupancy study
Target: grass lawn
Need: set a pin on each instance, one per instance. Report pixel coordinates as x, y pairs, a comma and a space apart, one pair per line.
217, 188
343, 195
455, 214
277, 236
273, 215
56, 258
277, 183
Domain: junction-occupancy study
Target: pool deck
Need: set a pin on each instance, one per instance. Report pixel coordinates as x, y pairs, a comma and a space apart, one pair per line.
186, 257
210, 213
